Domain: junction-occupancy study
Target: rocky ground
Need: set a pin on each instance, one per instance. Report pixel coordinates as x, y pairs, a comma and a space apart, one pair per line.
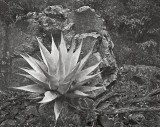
130, 74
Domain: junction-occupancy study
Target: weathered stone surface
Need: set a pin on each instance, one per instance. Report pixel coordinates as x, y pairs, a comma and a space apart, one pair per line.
32, 110
20, 119
109, 65
47, 22
89, 40
17, 80
85, 20
28, 24
21, 42
57, 11
8, 123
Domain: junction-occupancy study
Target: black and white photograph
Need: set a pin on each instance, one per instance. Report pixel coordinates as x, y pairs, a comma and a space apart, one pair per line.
79, 63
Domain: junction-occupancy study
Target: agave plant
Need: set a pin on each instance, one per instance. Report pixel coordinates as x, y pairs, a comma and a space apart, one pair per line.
59, 74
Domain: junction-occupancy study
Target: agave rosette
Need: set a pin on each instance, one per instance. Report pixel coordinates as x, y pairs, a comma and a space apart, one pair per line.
59, 74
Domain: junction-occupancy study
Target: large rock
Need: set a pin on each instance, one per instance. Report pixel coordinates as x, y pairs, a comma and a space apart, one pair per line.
50, 20
57, 11
21, 43
85, 20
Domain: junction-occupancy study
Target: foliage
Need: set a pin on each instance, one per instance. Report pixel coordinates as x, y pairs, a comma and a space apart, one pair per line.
60, 75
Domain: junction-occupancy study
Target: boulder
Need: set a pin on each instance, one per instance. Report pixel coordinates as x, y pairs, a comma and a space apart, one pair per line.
85, 20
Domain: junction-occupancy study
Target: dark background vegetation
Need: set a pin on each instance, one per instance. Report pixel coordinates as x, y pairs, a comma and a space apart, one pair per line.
134, 27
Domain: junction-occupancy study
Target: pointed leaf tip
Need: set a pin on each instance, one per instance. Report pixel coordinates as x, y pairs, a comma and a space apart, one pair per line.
36, 75
82, 74
58, 106
80, 93
62, 47
54, 51
84, 60
32, 88
75, 56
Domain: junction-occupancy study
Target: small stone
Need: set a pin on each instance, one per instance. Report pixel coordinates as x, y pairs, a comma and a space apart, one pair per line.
25, 103
8, 123
20, 118
14, 111
31, 110
3, 114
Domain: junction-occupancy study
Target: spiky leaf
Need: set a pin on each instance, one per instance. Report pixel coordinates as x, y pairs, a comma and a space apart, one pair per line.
49, 96
88, 88
58, 105
36, 75
82, 75
32, 88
